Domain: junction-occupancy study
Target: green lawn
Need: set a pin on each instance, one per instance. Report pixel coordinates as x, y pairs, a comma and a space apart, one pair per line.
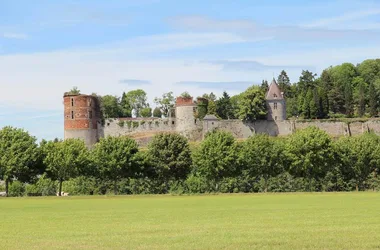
257, 221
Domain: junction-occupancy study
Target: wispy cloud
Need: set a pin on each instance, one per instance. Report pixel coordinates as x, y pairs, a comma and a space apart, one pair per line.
134, 82
248, 29
21, 36
250, 65
235, 85
345, 17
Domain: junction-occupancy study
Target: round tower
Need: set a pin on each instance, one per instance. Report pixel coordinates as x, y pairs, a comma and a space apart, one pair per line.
81, 116
275, 103
186, 123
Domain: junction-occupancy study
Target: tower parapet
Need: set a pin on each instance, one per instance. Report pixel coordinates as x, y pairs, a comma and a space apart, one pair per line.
81, 117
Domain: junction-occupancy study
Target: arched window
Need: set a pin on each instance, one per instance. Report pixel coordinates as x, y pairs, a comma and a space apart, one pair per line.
275, 105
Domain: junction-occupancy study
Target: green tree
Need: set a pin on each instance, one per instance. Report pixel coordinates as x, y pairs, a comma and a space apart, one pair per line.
157, 112
252, 105
125, 106
216, 157
224, 107
137, 99
264, 86
306, 81
361, 99
369, 70
65, 159
146, 112
114, 158
110, 107
372, 102
165, 103
261, 155
309, 152
202, 108
306, 104
170, 155
283, 82
360, 156
18, 154
348, 99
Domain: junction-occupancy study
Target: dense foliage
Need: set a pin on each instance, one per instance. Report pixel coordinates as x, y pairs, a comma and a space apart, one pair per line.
308, 160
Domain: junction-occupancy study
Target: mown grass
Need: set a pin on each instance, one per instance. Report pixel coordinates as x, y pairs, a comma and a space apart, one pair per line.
255, 221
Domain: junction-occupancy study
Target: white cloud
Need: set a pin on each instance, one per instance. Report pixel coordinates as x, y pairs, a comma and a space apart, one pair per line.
251, 30
21, 36
344, 18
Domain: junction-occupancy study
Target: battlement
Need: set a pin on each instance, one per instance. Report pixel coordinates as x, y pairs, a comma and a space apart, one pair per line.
184, 101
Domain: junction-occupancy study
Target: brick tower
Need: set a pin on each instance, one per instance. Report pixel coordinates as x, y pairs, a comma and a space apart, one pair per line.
81, 118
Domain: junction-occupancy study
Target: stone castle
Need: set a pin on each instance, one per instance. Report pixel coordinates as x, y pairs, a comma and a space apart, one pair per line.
82, 119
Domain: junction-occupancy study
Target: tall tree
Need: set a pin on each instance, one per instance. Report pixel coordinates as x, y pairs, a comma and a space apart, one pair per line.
309, 152
261, 156
265, 86
110, 106
125, 106
252, 105
348, 99
360, 156
165, 103
361, 99
373, 96
216, 157
306, 80
170, 155
18, 154
114, 158
224, 107
283, 82
65, 159
137, 99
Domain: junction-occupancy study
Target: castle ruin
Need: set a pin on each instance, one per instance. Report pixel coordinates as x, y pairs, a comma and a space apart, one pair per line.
82, 119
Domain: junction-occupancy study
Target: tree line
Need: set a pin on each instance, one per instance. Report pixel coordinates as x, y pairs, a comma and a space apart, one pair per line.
345, 90
308, 160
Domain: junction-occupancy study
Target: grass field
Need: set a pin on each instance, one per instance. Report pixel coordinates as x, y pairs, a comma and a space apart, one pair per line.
257, 221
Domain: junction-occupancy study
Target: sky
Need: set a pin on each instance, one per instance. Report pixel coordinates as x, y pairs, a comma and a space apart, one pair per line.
108, 47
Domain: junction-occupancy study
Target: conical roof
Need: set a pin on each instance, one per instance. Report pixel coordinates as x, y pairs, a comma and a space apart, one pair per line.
274, 92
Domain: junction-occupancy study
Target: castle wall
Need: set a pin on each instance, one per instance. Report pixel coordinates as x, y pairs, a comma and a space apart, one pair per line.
123, 127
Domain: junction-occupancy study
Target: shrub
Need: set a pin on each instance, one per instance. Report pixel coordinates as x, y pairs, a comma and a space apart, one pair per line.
16, 189
43, 187
80, 186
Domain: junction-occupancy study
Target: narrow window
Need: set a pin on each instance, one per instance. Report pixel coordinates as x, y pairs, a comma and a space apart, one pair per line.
72, 114
90, 114
275, 118
172, 122
275, 105
72, 102
89, 102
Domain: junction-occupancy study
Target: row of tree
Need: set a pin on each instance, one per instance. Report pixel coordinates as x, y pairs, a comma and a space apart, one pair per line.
344, 90
219, 163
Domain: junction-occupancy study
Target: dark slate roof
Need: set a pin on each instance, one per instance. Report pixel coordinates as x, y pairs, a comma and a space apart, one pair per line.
210, 118
274, 92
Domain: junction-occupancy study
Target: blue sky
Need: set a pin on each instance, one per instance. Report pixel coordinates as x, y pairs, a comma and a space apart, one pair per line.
108, 47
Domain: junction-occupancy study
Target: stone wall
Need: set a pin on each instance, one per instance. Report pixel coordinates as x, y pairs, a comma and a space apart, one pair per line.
123, 127
241, 129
